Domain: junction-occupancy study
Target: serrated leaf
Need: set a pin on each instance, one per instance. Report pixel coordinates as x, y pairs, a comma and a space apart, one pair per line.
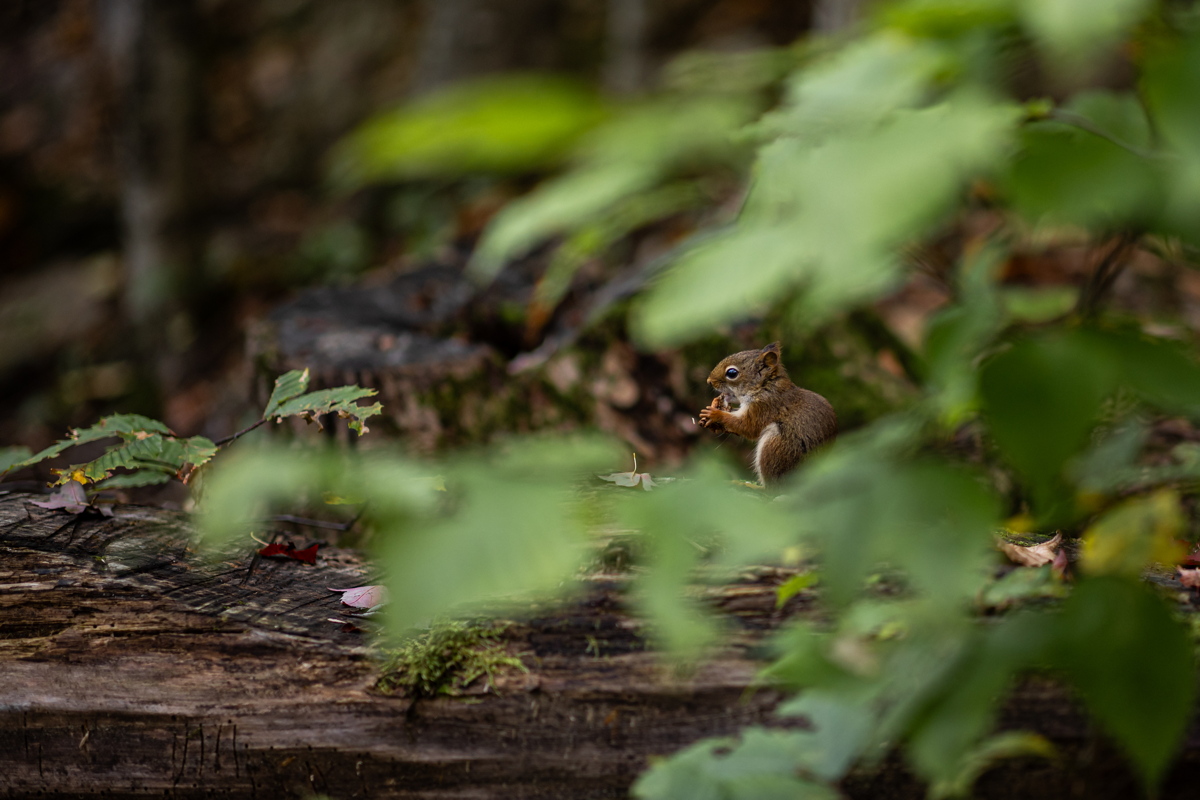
288, 385
198, 450
155, 452
123, 425
338, 401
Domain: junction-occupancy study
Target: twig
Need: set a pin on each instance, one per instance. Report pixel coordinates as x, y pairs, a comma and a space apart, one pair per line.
314, 523
1105, 275
239, 434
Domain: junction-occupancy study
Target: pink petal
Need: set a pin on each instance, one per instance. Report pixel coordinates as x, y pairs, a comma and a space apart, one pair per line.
363, 596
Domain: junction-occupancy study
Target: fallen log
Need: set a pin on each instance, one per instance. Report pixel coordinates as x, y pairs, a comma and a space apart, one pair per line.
130, 666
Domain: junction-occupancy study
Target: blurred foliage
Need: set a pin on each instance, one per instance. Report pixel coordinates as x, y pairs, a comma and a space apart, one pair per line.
851, 151
506, 124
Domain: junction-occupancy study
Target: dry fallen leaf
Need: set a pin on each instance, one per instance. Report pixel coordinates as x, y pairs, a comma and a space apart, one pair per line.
1034, 555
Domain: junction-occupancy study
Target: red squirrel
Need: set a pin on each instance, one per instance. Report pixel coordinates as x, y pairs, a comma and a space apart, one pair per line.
789, 422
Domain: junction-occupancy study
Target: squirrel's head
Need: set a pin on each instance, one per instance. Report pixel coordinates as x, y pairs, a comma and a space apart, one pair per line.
741, 375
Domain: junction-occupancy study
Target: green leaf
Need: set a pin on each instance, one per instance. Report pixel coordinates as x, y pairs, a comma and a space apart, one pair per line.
289, 385
1074, 31
1041, 398
958, 334
633, 153
506, 124
241, 488
1132, 662
1097, 173
13, 456
829, 218
513, 527
1164, 373
841, 729
761, 766
340, 401
1135, 534
1170, 85
856, 88
793, 586
681, 522
931, 521
555, 208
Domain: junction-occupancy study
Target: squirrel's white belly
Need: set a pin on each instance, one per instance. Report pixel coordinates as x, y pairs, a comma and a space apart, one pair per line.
769, 433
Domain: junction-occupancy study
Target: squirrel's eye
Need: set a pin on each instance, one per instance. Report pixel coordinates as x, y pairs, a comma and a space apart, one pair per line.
731, 373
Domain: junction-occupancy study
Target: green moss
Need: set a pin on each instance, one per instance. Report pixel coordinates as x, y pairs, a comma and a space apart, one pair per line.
447, 659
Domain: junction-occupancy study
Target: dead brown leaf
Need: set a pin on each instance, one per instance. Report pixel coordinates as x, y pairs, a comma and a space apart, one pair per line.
1034, 555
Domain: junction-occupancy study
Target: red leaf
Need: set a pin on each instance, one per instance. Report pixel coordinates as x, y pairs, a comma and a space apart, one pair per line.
275, 550
308, 555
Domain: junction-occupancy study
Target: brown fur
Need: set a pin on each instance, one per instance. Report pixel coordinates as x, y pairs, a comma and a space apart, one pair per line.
766, 397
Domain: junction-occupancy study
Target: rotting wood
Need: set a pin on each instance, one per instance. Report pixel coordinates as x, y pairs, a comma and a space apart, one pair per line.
131, 667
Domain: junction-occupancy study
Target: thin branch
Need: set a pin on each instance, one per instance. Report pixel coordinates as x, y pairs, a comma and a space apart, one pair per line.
239, 434
1105, 275
314, 523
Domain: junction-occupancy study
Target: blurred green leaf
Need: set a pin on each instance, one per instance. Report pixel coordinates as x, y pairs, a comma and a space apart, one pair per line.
840, 730
929, 520
855, 88
240, 490
508, 124
1038, 304
1170, 84
1163, 373
1074, 31
829, 219
1142, 531
957, 334
1041, 398
699, 514
946, 17
762, 766
12, 456
513, 526
1096, 173
793, 586
1132, 662
634, 152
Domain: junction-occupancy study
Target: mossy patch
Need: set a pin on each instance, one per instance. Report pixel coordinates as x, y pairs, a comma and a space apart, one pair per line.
447, 659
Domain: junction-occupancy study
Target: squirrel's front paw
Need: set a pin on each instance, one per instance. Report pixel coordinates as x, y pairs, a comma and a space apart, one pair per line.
708, 416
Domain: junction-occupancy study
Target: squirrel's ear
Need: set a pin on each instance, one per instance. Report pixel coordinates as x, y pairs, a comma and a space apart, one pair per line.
769, 355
